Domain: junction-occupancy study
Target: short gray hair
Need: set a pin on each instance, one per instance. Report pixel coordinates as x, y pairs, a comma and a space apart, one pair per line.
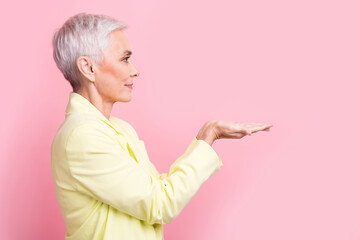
82, 35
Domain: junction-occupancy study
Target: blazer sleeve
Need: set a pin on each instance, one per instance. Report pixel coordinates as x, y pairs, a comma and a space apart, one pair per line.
102, 169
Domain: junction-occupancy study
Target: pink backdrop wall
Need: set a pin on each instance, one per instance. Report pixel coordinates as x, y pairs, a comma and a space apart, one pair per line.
291, 63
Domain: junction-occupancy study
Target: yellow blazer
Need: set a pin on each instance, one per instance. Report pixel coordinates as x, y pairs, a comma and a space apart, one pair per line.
105, 184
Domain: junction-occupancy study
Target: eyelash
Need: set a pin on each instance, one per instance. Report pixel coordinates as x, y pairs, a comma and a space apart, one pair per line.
126, 59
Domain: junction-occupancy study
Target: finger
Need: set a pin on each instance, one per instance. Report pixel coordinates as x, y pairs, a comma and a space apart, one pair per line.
247, 131
265, 126
256, 125
257, 129
249, 128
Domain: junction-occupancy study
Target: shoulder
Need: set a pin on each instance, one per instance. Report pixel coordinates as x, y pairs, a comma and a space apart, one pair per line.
82, 128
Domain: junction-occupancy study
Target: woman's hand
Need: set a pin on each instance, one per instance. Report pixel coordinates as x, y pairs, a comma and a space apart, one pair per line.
217, 129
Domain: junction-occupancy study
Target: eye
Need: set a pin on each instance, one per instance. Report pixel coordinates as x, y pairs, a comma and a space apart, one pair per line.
126, 59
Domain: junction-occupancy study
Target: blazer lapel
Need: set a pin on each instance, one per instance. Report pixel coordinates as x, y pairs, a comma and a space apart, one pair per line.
138, 148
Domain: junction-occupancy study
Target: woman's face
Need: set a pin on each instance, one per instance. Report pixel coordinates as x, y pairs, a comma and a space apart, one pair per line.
116, 70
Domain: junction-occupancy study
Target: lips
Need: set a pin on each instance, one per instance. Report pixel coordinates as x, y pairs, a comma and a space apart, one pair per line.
129, 86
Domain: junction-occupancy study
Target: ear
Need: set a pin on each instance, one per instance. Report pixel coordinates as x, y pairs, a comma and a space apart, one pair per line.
86, 67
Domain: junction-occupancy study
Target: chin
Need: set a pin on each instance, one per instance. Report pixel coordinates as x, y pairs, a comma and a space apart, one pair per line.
124, 100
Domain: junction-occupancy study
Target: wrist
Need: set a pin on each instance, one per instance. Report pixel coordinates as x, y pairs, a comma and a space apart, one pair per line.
207, 133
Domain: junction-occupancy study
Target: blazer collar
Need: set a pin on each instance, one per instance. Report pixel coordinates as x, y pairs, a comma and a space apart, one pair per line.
78, 103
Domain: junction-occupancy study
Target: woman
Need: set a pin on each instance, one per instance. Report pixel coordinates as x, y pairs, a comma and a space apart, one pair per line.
105, 184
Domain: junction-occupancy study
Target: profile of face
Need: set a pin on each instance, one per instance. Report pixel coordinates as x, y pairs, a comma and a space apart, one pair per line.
116, 71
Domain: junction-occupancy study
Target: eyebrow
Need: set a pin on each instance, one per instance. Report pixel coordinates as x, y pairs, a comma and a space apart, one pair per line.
127, 52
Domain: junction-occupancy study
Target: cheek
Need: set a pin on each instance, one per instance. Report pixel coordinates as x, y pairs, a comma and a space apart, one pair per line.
118, 73
113, 76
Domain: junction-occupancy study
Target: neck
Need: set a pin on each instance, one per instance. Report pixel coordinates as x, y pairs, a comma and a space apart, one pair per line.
93, 96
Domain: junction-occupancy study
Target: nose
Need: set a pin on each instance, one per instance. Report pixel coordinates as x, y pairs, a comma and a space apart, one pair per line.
134, 71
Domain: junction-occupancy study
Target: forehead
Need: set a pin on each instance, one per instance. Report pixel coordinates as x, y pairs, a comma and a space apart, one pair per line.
118, 42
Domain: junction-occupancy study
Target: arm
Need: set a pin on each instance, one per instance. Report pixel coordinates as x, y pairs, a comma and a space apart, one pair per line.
106, 172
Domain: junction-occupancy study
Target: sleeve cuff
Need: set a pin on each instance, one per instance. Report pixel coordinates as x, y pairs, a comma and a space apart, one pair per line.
208, 148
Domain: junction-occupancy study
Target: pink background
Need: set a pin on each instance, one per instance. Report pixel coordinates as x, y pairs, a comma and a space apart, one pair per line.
294, 64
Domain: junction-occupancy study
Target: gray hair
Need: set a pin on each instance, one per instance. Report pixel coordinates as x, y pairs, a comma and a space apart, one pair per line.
82, 35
